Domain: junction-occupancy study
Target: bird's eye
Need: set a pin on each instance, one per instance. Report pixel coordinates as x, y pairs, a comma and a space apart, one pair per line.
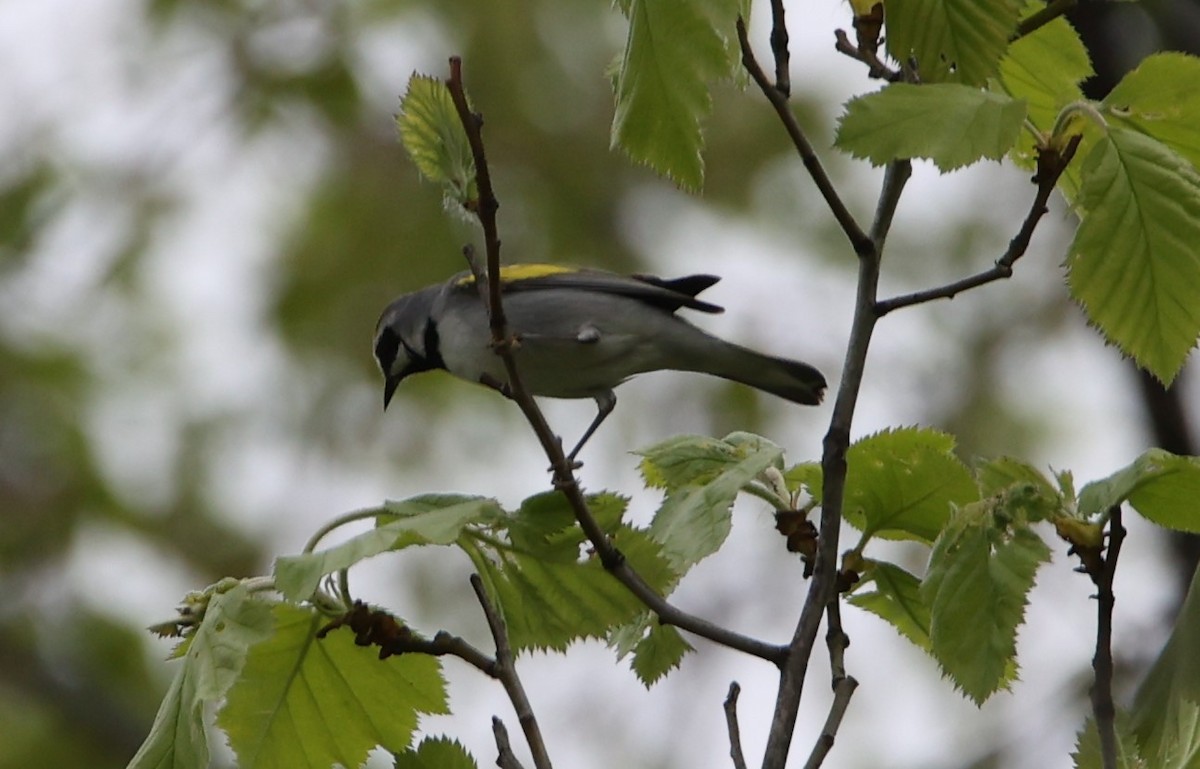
387, 344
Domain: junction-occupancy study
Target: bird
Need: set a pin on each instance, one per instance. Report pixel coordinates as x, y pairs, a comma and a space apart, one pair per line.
579, 333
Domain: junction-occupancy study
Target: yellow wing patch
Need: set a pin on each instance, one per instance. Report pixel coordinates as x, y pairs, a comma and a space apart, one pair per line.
516, 272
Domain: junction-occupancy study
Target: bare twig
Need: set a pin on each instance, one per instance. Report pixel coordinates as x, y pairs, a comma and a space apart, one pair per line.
731, 722
843, 686
1051, 164
779, 48
1102, 663
506, 672
1036, 21
506, 759
858, 239
564, 475
876, 68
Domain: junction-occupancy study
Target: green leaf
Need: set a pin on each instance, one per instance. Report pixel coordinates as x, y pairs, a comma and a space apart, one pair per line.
1161, 486
672, 52
436, 753
1135, 262
305, 703
1160, 99
807, 475
896, 600
658, 653
432, 133
1023, 493
952, 40
901, 484
550, 604
952, 125
233, 621
437, 520
1088, 755
694, 520
1044, 70
690, 460
976, 589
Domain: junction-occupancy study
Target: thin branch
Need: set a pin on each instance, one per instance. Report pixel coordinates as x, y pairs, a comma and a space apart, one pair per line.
876, 69
779, 48
822, 589
843, 686
1051, 165
731, 722
506, 672
1102, 663
1036, 21
507, 759
858, 239
564, 475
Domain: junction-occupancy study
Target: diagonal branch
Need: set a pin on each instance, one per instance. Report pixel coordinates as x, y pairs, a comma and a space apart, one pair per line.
564, 473
843, 686
779, 48
1051, 164
779, 100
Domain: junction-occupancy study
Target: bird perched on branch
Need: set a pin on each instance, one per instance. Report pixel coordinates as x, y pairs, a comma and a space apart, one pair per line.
579, 334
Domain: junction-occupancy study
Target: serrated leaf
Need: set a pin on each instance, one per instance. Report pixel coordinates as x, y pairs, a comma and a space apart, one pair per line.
1023, 493
896, 600
1161, 486
952, 40
901, 484
1044, 70
1160, 716
432, 133
425, 520
807, 475
1087, 753
234, 620
658, 653
436, 753
951, 125
545, 526
1135, 262
672, 52
686, 460
304, 703
550, 604
976, 589
1160, 99
694, 520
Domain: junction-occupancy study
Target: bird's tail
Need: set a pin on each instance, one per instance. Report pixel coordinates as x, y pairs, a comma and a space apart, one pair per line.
789, 379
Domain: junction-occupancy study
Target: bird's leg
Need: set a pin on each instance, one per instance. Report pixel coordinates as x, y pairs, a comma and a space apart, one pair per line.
605, 403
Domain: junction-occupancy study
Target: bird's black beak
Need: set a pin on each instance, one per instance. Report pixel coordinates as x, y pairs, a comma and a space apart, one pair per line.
391, 382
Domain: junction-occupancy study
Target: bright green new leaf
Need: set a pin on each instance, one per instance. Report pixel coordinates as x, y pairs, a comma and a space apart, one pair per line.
901, 484
684, 460
1161, 99
957, 41
1135, 261
436, 520
436, 753
672, 53
308, 703
949, 124
976, 588
658, 653
1022, 492
1044, 70
432, 133
694, 520
807, 475
234, 620
550, 604
544, 525
896, 600
1163, 487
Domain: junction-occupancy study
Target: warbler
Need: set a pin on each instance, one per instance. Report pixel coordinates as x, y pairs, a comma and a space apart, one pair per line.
579, 333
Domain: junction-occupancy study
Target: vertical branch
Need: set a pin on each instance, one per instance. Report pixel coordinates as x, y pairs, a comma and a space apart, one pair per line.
779, 47
506, 672
731, 722
843, 686
833, 467
1102, 663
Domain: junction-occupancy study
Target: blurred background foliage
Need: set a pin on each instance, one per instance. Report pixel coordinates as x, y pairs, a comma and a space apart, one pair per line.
203, 208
